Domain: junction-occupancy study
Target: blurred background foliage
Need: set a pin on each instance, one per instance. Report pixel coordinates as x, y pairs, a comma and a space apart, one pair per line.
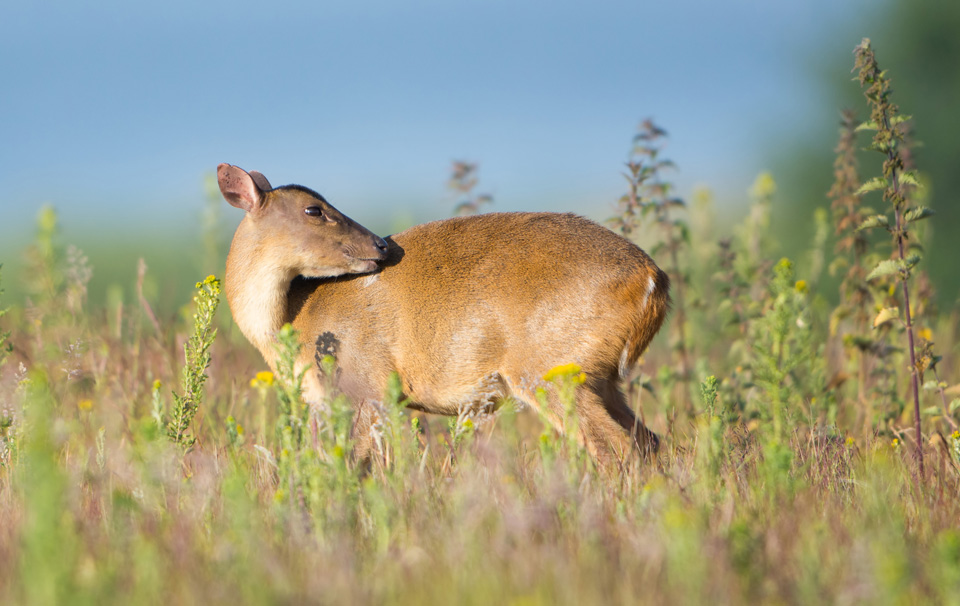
183, 235
918, 45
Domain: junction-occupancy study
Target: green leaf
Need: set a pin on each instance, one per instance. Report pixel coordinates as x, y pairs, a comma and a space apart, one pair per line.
898, 119
875, 221
918, 213
884, 268
954, 404
910, 261
885, 315
871, 185
868, 125
909, 178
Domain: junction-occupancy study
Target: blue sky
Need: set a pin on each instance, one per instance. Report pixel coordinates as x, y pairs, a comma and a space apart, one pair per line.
115, 112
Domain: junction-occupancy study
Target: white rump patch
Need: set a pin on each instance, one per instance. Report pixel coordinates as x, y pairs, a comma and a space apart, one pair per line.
651, 284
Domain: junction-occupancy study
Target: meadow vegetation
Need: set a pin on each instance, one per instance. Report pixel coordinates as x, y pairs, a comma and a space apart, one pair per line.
810, 451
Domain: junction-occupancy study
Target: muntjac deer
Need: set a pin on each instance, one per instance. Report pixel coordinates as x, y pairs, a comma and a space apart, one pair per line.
468, 311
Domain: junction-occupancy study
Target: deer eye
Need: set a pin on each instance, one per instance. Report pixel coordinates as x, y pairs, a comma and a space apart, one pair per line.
313, 211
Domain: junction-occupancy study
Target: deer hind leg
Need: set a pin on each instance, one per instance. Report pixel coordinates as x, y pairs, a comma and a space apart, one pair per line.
606, 431
615, 404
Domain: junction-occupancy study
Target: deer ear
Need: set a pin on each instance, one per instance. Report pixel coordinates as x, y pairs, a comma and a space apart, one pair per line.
239, 187
260, 180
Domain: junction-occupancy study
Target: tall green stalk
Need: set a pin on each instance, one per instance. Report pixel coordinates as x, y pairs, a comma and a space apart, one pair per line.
851, 249
197, 359
885, 121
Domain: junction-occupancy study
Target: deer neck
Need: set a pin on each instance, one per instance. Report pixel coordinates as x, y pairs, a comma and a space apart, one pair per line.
257, 286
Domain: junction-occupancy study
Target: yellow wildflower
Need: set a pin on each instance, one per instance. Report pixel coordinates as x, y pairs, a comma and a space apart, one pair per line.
211, 279
955, 435
800, 286
895, 442
156, 385
264, 378
85, 404
561, 371
566, 370
925, 333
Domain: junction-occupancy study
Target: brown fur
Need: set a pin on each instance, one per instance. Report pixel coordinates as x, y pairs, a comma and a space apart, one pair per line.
467, 311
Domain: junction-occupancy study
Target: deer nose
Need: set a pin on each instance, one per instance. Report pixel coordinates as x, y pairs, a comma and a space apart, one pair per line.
381, 245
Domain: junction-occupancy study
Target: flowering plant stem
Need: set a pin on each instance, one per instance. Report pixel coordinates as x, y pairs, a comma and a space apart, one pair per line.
884, 119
